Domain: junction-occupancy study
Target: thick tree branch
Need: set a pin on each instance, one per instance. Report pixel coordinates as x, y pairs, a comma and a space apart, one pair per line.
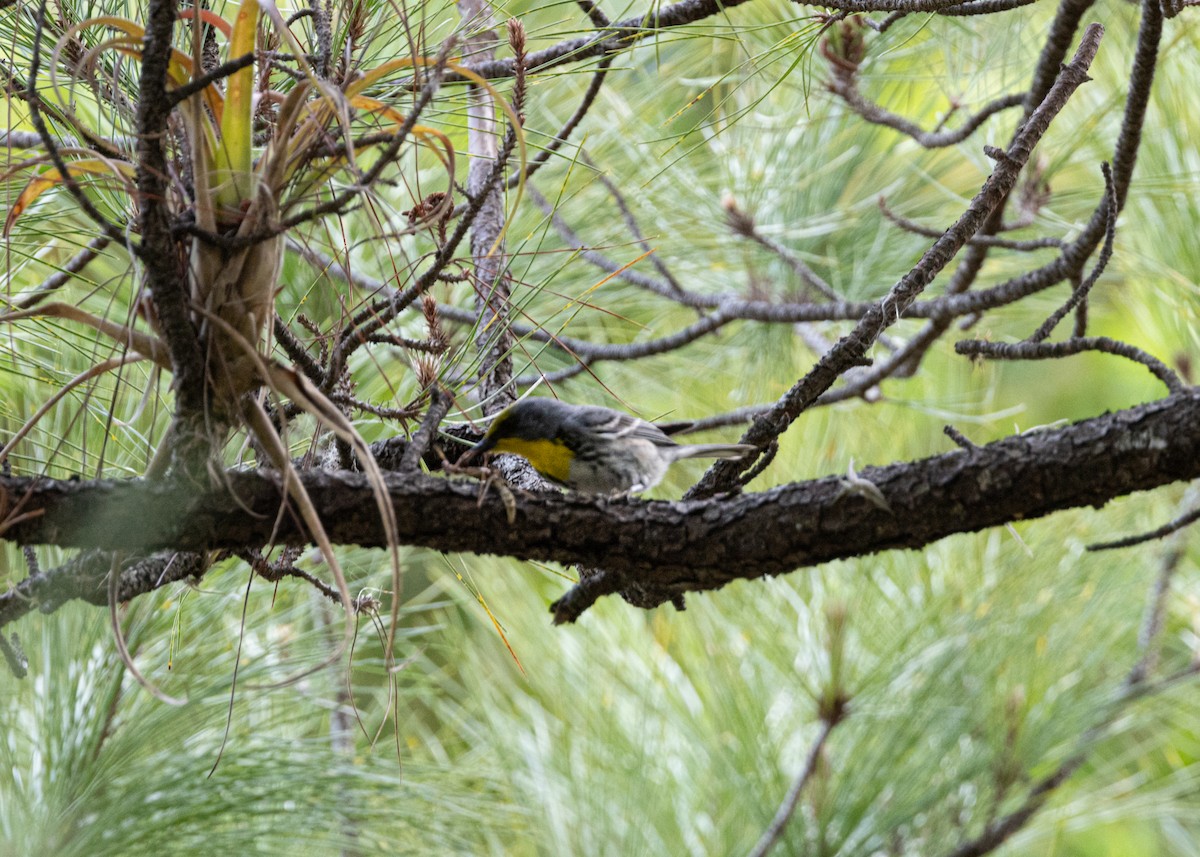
163, 277
673, 546
84, 577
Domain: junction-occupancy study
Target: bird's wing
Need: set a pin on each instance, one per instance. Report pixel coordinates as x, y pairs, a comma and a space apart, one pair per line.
617, 424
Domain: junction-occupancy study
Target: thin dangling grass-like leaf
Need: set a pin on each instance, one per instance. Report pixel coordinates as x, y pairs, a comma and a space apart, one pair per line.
83, 377
114, 588
143, 343
208, 17
180, 69
42, 182
309, 399
445, 154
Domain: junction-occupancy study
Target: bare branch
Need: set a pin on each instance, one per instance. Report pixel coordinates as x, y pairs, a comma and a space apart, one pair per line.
1154, 619
983, 7
199, 84
629, 275
84, 576
852, 349
977, 241
1135, 686
1053, 350
784, 814
439, 406
876, 115
1079, 293
595, 14
742, 223
163, 278
902, 6
585, 104
64, 275
619, 37
998, 832
1172, 526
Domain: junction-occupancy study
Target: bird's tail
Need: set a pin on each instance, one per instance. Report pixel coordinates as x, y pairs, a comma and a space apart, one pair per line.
715, 450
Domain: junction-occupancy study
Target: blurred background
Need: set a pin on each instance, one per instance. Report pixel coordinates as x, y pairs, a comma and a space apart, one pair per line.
973, 667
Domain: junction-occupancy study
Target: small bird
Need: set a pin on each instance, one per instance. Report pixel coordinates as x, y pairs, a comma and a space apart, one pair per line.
591, 449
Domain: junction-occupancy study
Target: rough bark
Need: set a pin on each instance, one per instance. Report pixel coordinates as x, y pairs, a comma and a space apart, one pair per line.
686, 546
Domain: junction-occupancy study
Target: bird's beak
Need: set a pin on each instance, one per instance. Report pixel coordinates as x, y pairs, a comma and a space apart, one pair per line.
478, 449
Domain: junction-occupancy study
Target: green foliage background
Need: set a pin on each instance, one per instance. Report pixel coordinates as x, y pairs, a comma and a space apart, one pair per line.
974, 666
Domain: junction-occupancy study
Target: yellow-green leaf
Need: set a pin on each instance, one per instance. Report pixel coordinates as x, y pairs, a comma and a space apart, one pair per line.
234, 161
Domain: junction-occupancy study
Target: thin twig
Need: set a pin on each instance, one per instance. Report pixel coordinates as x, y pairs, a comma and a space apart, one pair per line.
632, 225
295, 350
742, 223
1023, 246
621, 36
906, 6
64, 275
1172, 526
1054, 350
1135, 686
1154, 620
784, 814
585, 104
439, 406
199, 84
844, 87
1080, 293
624, 272
959, 438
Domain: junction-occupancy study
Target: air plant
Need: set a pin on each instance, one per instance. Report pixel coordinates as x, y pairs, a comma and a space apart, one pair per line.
231, 203
236, 203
